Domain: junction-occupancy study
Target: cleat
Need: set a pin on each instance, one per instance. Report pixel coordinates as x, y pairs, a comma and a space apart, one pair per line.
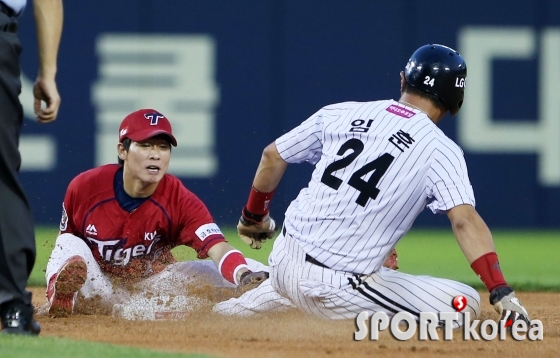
64, 286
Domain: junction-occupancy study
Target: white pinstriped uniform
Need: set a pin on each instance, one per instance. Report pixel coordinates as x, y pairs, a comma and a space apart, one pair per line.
377, 165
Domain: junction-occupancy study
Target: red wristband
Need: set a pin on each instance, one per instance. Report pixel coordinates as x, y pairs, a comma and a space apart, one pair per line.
258, 202
487, 267
230, 264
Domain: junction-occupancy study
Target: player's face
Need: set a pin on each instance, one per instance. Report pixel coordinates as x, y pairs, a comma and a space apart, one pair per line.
147, 161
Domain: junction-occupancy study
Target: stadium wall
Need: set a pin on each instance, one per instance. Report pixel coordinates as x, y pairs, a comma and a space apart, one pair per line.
234, 75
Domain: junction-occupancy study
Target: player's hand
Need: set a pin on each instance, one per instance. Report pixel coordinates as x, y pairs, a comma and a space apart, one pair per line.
254, 233
45, 90
392, 261
508, 306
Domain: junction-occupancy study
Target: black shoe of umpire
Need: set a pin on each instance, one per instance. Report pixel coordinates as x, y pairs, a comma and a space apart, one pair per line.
17, 318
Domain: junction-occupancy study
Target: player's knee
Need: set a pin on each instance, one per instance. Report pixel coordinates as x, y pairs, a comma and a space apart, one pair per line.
66, 238
255, 265
473, 303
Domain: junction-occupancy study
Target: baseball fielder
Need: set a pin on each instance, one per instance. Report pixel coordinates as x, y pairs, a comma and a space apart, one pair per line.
120, 221
377, 165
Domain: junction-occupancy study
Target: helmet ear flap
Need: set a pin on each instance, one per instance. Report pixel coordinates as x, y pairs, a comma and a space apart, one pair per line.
458, 107
440, 71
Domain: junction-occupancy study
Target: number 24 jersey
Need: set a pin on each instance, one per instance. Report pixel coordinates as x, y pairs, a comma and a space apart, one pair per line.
377, 165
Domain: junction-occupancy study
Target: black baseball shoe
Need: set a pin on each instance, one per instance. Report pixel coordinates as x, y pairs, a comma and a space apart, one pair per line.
17, 318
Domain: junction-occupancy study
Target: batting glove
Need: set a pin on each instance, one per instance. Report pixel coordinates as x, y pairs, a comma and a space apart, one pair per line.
508, 306
254, 232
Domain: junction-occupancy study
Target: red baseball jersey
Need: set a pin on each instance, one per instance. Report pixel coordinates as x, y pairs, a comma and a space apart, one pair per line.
137, 243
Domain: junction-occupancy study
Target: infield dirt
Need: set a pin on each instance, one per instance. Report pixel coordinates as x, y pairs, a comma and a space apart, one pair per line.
297, 335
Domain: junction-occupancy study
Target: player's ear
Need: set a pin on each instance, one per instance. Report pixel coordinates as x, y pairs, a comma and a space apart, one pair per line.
403, 81
121, 151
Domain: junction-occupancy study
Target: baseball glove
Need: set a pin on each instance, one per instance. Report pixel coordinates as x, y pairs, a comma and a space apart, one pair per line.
250, 280
508, 306
254, 233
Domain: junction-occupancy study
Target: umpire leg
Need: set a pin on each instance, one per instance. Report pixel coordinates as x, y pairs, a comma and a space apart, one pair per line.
17, 237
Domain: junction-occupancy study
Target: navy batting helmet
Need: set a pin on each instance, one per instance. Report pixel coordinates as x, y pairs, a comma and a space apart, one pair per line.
441, 71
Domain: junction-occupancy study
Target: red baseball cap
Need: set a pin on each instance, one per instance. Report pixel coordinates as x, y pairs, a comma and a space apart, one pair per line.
144, 124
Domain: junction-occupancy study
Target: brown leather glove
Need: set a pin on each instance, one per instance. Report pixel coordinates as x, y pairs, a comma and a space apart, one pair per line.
250, 280
392, 261
254, 233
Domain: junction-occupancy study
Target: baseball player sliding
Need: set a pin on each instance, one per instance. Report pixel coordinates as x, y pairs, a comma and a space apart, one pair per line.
377, 165
120, 221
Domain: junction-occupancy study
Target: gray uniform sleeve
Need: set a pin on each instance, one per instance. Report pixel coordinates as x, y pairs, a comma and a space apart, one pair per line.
303, 143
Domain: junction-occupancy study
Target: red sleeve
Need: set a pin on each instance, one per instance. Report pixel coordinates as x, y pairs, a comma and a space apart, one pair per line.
198, 229
67, 222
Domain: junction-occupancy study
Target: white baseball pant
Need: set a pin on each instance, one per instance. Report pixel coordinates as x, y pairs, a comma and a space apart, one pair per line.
173, 280
331, 294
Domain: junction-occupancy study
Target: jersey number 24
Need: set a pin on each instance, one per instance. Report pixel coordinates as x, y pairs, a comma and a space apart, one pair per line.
367, 189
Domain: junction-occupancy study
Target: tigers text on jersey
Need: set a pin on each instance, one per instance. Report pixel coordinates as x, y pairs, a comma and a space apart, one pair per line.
136, 243
377, 165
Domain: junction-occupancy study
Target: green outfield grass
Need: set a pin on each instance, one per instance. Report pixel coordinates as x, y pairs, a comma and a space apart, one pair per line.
529, 259
53, 347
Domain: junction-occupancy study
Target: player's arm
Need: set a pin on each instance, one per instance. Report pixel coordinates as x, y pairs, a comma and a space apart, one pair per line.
198, 230
302, 144
270, 170
48, 19
255, 224
472, 233
475, 240
232, 265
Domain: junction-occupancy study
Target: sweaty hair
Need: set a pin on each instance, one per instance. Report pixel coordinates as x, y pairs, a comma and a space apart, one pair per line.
436, 101
127, 142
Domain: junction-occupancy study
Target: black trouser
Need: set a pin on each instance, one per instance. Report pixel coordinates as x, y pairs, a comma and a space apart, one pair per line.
17, 236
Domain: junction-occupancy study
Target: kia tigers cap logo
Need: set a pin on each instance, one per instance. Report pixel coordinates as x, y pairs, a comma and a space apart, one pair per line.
153, 118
